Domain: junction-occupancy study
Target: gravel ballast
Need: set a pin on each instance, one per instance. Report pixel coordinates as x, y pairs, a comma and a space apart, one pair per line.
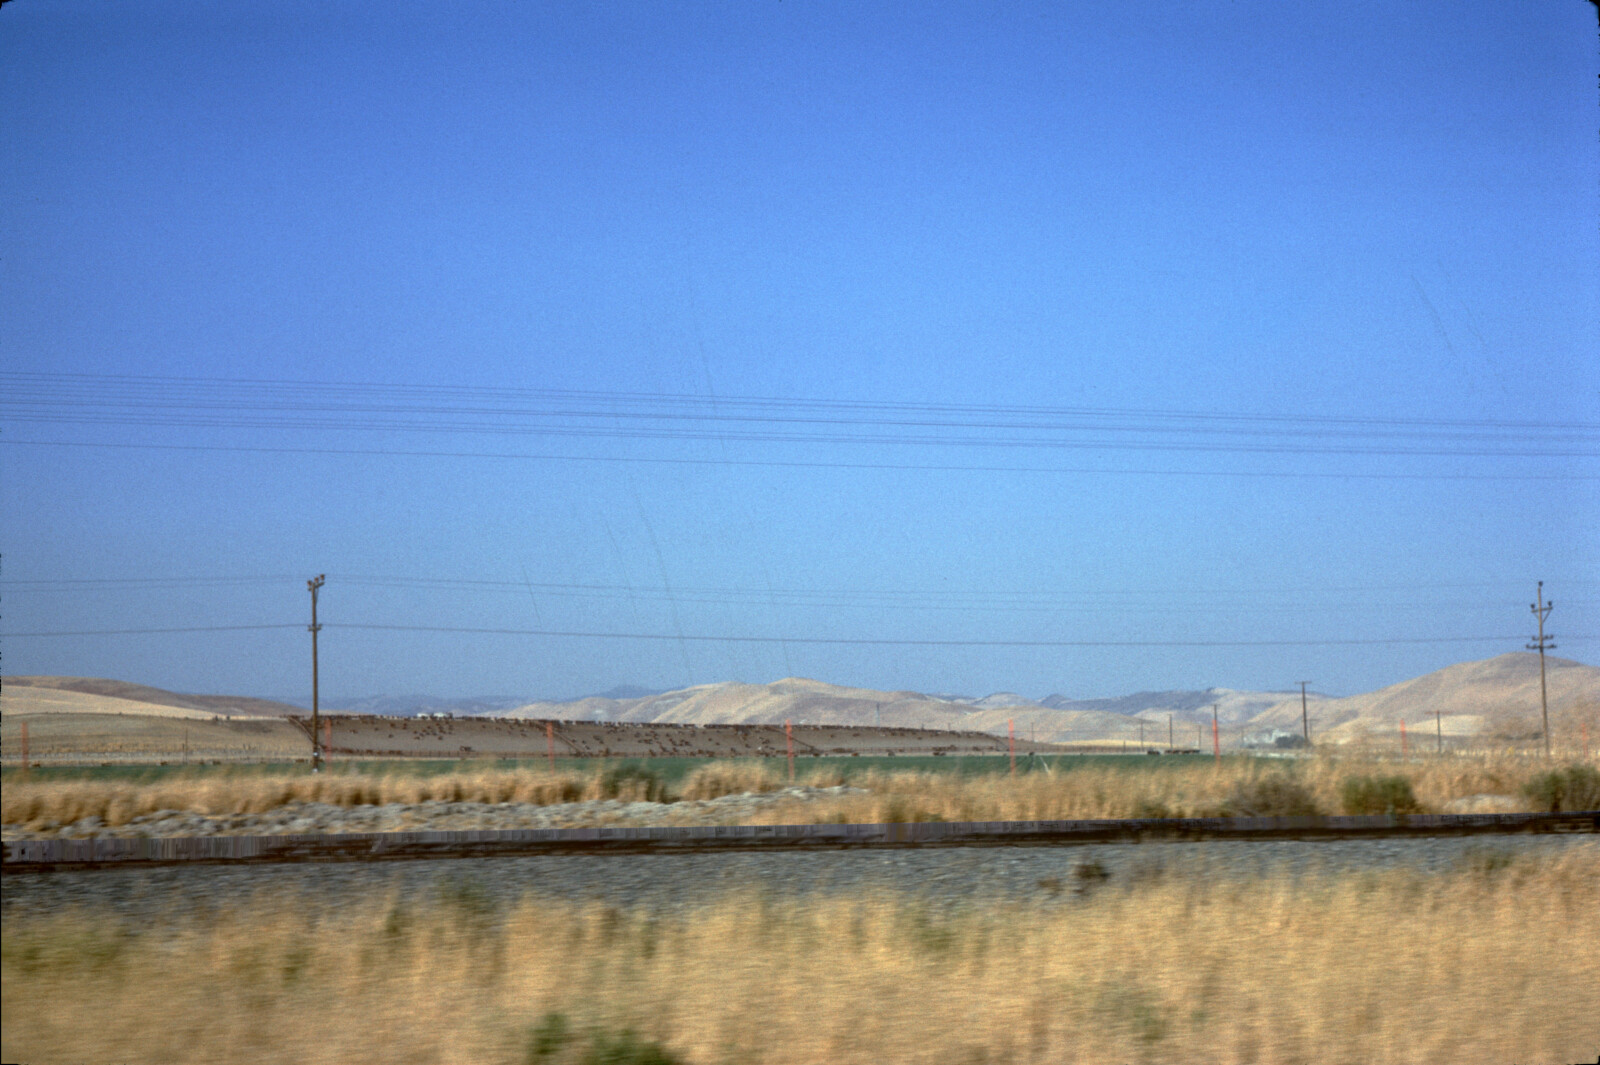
671, 882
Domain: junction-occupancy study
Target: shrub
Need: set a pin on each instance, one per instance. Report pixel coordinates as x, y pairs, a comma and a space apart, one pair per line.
1273, 796
626, 1049
632, 782
553, 1034
1379, 795
728, 778
548, 1038
1148, 808
1576, 787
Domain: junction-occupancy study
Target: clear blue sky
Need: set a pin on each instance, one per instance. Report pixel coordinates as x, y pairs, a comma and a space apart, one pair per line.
1168, 324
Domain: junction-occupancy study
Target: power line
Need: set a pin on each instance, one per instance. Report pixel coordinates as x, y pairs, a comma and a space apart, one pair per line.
933, 643
229, 403
294, 394
522, 585
827, 640
147, 632
777, 464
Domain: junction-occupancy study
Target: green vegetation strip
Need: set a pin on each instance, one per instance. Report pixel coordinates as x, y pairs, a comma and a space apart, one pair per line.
671, 770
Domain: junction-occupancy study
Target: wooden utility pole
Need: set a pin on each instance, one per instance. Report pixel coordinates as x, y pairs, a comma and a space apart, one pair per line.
1541, 610
1305, 717
316, 748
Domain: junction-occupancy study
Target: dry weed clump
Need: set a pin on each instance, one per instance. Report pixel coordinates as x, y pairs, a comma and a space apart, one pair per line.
118, 802
1476, 965
716, 779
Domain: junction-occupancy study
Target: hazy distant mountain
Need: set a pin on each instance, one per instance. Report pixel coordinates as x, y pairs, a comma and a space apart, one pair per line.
1232, 706
411, 705
621, 691
991, 702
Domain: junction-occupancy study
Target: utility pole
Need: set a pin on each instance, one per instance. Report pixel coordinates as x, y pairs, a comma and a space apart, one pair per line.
316, 747
1541, 610
1305, 718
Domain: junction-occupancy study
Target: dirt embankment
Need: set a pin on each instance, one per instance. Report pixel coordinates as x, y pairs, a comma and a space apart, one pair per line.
371, 735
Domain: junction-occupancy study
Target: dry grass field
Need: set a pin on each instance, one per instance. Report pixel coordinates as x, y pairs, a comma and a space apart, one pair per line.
1118, 789
81, 737
1489, 964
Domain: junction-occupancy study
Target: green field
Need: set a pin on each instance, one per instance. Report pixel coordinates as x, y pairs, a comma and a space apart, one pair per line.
671, 770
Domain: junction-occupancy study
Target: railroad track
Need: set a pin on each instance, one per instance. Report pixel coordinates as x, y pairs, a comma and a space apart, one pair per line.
24, 856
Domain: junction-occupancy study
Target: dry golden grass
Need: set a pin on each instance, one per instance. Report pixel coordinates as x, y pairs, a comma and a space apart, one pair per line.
117, 802
1112, 791
1476, 965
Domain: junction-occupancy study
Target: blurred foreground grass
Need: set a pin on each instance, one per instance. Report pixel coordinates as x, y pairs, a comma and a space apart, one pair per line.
1494, 961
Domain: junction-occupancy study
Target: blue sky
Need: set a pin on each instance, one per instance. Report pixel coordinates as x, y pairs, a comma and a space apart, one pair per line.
1092, 343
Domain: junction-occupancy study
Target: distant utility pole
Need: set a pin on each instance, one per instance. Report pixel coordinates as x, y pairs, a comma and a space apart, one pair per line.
1541, 610
1305, 718
316, 748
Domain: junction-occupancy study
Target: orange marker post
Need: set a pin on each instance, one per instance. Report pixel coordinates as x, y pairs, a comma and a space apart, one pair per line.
788, 735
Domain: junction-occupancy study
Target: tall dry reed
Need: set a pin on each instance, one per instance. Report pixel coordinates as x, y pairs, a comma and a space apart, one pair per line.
1110, 791
1477, 965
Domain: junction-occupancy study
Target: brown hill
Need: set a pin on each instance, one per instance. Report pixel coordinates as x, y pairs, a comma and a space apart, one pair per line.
1494, 695
17, 688
816, 703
